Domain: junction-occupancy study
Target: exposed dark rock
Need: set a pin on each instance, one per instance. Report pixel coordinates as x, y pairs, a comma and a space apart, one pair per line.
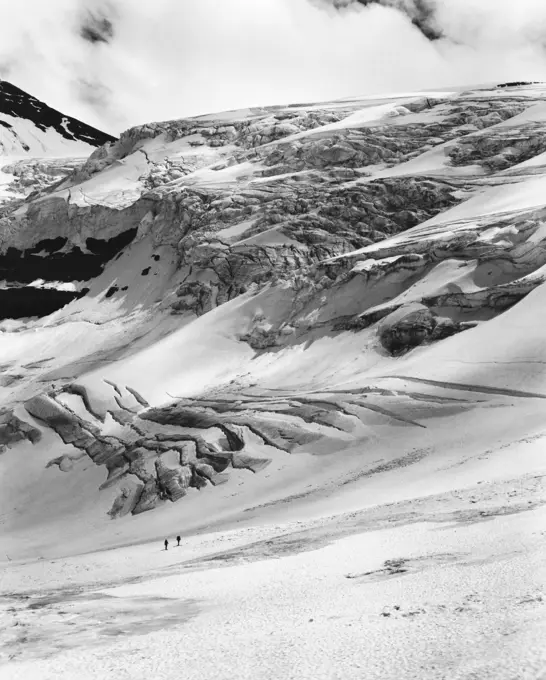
519, 83
29, 301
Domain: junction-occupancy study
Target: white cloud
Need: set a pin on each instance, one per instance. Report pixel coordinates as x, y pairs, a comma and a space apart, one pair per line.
174, 58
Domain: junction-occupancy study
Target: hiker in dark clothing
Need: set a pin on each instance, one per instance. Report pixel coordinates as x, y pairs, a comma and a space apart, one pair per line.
178, 539
166, 544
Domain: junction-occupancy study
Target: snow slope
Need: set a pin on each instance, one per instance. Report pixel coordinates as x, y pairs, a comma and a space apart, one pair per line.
308, 340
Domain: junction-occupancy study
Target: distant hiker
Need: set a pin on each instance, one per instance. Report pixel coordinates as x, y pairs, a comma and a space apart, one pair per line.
166, 544
178, 539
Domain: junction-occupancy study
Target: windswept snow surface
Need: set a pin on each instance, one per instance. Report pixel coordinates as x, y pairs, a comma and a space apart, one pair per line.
320, 359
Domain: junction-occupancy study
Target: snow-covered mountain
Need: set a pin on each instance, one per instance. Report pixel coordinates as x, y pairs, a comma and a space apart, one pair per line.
39, 145
290, 325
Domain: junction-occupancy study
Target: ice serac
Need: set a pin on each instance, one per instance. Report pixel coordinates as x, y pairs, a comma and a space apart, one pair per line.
313, 279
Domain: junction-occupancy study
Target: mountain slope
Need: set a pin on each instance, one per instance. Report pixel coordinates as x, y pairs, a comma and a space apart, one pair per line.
308, 339
313, 279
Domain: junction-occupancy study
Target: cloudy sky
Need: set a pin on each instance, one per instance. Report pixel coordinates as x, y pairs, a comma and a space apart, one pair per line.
116, 63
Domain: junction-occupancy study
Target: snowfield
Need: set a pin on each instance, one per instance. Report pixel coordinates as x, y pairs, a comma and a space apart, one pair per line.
309, 340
